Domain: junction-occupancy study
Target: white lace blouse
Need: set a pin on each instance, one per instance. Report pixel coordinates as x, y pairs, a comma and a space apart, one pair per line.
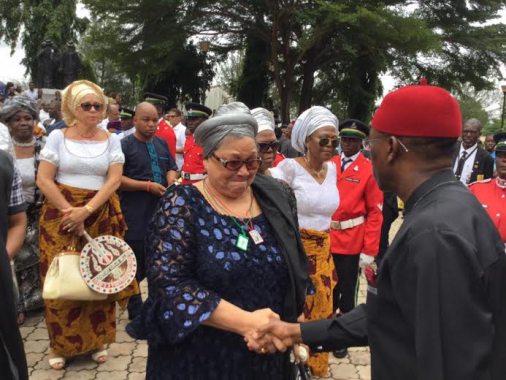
82, 164
315, 203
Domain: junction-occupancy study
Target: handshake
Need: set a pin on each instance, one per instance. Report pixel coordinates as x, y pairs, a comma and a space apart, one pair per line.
266, 333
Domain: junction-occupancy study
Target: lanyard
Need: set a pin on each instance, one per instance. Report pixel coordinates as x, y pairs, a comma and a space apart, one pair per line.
222, 207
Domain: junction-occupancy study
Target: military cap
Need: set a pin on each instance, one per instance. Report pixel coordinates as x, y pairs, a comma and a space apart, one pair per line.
500, 141
126, 113
353, 128
157, 100
198, 110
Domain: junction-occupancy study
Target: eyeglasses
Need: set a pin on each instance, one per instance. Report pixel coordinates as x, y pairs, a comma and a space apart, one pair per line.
264, 147
235, 165
370, 141
87, 106
325, 141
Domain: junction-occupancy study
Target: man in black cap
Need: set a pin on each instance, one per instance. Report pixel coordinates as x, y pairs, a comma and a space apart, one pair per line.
356, 224
164, 129
127, 122
193, 167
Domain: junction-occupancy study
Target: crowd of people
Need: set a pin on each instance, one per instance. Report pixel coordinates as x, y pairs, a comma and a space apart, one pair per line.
252, 238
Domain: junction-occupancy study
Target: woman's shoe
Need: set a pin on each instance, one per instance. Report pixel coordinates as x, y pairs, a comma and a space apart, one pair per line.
57, 363
99, 356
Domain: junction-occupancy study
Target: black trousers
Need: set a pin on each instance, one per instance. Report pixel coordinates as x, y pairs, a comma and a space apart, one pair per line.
347, 275
135, 303
390, 213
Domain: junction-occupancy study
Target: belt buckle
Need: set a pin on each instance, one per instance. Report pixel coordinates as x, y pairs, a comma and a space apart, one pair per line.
186, 176
336, 225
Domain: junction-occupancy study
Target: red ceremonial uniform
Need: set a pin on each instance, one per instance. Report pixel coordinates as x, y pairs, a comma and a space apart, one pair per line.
493, 199
360, 196
278, 159
166, 132
193, 158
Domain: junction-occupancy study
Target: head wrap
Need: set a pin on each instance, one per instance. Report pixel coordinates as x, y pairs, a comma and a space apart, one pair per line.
234, 107
74, 94
230, 120
310, 121
419, 111
17, 104
264, 119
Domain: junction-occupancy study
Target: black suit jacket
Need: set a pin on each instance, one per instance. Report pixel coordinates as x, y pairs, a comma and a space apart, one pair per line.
483, 164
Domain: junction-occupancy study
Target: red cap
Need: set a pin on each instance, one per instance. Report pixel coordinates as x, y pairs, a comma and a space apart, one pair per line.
419, 111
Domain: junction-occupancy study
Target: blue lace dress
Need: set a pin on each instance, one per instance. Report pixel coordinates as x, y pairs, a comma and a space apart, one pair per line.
192, 263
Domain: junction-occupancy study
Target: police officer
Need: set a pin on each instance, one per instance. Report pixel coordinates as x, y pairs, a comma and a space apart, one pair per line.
127, 122
491, 193
435, 309
356, 224
193, 167
164, 130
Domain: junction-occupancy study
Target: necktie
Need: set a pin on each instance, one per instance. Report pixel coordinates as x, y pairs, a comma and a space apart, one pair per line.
460, 165
345, 162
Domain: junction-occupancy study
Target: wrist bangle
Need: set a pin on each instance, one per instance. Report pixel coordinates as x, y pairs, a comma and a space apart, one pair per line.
149, 186
89, 208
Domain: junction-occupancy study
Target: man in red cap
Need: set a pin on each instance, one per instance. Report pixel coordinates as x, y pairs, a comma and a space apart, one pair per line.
436, 308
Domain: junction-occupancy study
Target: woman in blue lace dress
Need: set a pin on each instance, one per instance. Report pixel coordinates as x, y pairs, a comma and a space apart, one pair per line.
223, 257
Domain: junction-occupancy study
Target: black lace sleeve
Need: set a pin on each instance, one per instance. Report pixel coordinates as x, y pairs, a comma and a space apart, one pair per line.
177, 302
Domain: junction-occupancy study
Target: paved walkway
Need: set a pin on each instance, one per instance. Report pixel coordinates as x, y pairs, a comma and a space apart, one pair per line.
127, 357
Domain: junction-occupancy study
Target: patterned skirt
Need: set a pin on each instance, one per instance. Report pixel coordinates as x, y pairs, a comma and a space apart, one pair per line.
322, 272
77, 327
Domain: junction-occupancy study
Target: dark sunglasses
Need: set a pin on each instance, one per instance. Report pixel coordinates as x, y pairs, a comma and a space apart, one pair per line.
87, 106
325, 141
265, 147
235, 165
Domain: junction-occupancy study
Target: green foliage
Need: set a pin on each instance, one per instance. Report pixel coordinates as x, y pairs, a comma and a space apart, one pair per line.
36, 21
472, 108
148, 42
253, 83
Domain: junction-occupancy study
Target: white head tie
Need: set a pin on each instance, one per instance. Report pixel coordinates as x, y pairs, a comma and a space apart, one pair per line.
264, 119
310, 121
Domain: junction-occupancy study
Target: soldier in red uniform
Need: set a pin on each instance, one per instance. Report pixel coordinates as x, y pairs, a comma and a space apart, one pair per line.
356, 225
193, 167
492, 192
164, 130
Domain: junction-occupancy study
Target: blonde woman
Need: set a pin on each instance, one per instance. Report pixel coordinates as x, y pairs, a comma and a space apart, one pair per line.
79, 173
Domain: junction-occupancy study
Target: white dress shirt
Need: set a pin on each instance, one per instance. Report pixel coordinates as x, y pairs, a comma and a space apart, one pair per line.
180, 131
31, 94
467, 170
126, 133
350, 160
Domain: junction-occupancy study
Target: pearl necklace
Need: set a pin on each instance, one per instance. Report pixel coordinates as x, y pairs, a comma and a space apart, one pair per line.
23, 145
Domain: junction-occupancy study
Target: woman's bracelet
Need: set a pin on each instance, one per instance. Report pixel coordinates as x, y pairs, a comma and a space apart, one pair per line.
149, 186
89, 208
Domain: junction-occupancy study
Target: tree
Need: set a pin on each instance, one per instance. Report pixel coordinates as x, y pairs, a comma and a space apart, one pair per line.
444, 41
36, 21
151, 46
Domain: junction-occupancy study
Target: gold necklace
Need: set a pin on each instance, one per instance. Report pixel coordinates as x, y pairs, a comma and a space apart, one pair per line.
313, 169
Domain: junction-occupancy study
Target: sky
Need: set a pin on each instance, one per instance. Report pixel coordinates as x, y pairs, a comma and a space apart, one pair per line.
12, 70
